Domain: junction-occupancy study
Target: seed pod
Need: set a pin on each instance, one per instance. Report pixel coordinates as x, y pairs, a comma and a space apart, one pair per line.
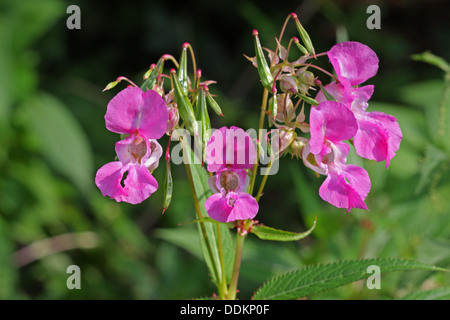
151, 75
262, 66
184, 105
182, 70
304, 35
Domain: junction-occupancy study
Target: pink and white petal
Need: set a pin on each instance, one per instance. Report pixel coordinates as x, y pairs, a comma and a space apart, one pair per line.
153, 117
138, 185
212, 182
154, 153
122, 149
108, 179
123, 110
353, 61
217, 207
337, 191
245, 207
359, 98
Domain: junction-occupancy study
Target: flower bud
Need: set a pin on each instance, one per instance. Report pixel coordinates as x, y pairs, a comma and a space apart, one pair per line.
174, 117
297, 146
285, 111
288, 83
287, 136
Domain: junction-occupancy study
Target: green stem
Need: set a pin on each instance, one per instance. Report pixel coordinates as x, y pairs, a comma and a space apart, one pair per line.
237, 265
223, 292
263, 183
202, 225
260, 137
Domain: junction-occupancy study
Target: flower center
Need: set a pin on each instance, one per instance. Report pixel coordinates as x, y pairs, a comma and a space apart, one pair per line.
137, 149
229, 180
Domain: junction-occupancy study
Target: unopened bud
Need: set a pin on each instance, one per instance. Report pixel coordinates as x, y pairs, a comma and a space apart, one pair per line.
287, 136
285, 111
288, 83
174, 117
297, 146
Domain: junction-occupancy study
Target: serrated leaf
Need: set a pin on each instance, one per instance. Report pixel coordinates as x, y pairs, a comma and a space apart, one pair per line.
432, 294
309, 280
268, 233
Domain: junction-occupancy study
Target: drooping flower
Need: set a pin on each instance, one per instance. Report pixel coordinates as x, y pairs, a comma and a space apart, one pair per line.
346, 185
379, 135
142, 116
229, 153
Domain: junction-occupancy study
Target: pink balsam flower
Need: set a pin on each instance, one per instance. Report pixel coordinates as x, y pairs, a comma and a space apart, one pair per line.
229, 153
379, 135
346, 185
143, 117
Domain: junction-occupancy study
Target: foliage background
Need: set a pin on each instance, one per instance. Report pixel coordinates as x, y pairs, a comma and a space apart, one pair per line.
53, 140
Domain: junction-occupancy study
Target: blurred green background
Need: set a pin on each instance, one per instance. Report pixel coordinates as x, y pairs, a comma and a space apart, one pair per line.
53, 139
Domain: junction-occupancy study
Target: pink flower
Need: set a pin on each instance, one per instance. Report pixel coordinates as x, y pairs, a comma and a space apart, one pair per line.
229, 153
379, 135
143, 117
230, 202
346, 186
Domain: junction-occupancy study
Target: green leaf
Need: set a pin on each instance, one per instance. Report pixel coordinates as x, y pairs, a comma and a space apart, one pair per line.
309, 100
432, 294
317, 278
61, 139
267, 233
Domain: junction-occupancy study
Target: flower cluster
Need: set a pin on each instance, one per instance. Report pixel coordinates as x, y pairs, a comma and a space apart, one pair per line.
229, 153
338, 114
142, 117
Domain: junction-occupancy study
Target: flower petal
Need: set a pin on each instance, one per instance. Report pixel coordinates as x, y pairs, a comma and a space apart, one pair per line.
353, 61
137, 186
245, 207
232, 207
347, 189
108, 179
378, 137
330, 121
154, 115
133, 110
217, 207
